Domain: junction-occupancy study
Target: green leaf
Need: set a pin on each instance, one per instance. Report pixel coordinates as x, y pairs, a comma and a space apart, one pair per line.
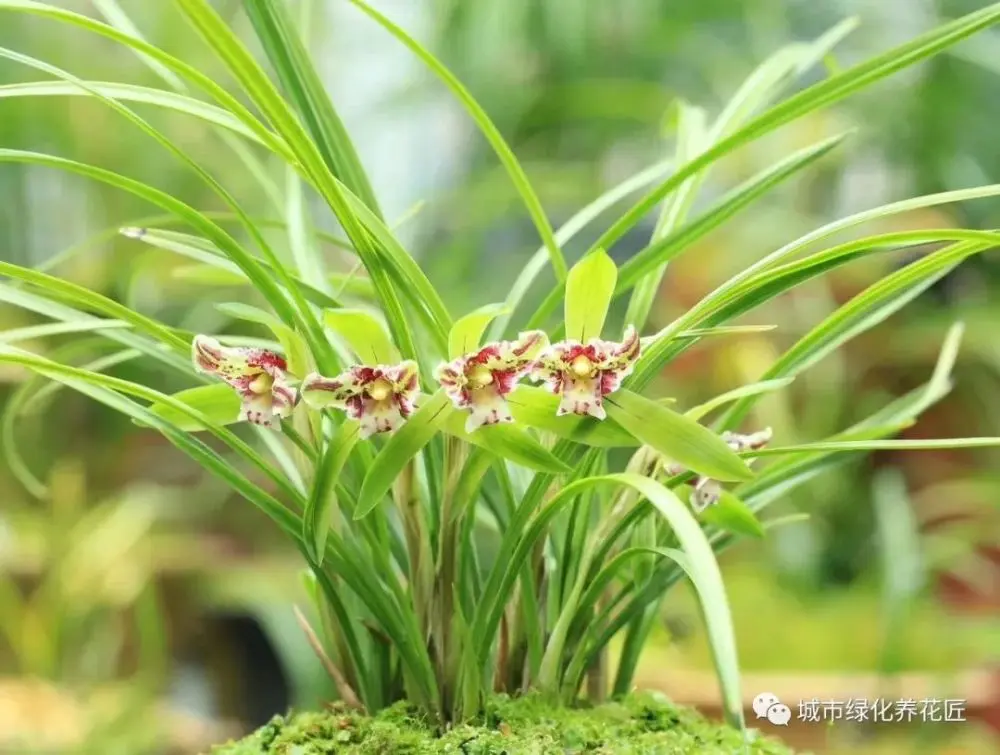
46, 306
751, 389
323, 496
365, 334
676, 436
467, 332
536, 407
725, 330
150, 53
291, 61
203, 250
662, 250
813, 98
250, 267
691, 135
507, 441
133, 93
209, 275
402, 446
292, 315
388, 260
241, 64
107, 389
732, 515
869, 308
759, 88
698, 561
588, 295
219, 402
745, 291
91, 300
493, 136
924, 444
31, 332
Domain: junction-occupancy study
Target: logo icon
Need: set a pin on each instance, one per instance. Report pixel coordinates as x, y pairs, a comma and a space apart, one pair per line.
767, 705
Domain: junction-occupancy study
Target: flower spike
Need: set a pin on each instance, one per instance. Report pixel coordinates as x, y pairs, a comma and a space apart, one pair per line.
480, 381
257, 375
708, 491
380, 398
584, 374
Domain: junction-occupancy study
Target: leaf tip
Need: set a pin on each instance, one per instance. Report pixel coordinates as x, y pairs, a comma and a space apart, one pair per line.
132, 232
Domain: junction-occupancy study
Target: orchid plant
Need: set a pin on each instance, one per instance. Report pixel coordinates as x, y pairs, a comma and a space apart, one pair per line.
452, 484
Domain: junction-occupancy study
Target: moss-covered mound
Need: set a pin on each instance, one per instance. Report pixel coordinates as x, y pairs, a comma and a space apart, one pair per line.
643, 724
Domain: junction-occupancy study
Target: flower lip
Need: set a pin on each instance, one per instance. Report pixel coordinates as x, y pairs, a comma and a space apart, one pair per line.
257, 375
480, 381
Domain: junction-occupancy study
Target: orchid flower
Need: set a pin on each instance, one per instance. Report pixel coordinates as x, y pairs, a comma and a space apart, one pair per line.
706, 490
257, 375
584, 374
481, 380
380, 397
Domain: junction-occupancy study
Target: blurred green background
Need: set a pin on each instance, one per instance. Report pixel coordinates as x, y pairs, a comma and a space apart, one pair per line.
144, 608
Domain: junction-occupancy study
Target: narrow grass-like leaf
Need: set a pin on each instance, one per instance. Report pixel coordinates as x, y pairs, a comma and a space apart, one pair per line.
410, 279
75, 377
751, 389
691, 135
758, 89
205, 251
241, 63
404, 444
96, 302
703, 571
31, 332
744, 291
291, 61
490, 131
662, 250
676, 436
818, 95
179, 103
209, 275
861, 313
923, 444
589, 286
48, 307
261, 280
300, 315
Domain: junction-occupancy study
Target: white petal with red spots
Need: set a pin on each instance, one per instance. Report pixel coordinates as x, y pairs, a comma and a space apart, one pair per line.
583, 374
380, 397
257, 375
481, 380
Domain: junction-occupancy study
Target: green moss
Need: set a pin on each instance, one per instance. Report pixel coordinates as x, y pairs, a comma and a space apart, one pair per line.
645, 724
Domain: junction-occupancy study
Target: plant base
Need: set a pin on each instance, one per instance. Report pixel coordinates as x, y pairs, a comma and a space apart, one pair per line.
642, 724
